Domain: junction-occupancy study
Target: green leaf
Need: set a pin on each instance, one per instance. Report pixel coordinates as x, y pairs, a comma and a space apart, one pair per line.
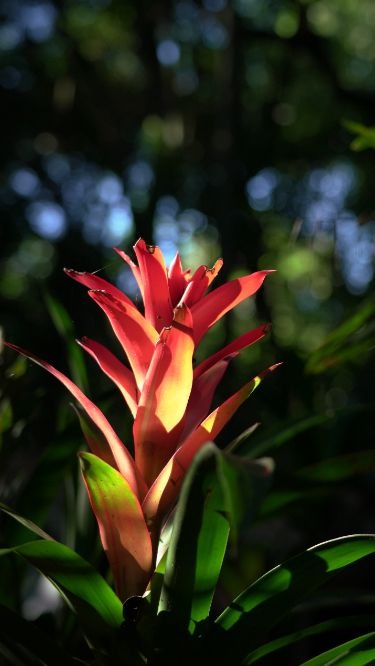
357, 652
277, 500
6, 415
246, 482
98, 608
338, 623
96, 605
19, 634
241, 438
216, 493
365, 135
254, 612
198, 542
340, 467
348, 342
25, 522
283, 433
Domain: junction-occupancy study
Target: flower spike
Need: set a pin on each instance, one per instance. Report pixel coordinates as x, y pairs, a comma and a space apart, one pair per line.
169, 397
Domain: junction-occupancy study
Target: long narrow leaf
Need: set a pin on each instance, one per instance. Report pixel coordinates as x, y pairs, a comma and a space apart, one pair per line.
25, 522
337, 623
198, 542
254, 612
357, 652
98, 609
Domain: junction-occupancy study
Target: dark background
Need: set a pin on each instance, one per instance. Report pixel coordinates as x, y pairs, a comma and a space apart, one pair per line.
219, 129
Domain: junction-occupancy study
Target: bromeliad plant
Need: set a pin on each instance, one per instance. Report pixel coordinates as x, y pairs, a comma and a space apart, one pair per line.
165, 516
168, 397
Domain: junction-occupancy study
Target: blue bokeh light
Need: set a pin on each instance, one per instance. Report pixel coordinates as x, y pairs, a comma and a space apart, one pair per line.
354, 246
24, 182
168, 52
11, 36
140, 175
38, 20
109, 189
118, 224
260, 189
47, 219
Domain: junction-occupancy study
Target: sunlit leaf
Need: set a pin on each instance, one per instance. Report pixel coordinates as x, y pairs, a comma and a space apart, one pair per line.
96, 605
253, 613
198, 542
216, 492
98, 609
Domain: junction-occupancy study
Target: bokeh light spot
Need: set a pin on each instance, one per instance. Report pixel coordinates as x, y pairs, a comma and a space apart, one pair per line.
47, 219
24, 182
168, 52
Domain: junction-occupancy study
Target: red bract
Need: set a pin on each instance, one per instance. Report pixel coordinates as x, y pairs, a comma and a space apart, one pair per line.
168, 395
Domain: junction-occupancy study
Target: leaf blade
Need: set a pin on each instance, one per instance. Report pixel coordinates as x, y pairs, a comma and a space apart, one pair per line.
122, 527
198, 542
97, 607
267, 600
361, 649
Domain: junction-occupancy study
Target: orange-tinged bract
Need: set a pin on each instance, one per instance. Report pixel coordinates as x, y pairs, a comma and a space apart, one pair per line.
168, 396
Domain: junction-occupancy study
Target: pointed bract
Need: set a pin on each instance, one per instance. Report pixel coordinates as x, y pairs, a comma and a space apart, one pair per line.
164, 397
114, 369
177, 280
164, 491
233, 348
208, 310
93, 281
135, 334
157, 302
202, 394
133, 267
200, 282
123, 531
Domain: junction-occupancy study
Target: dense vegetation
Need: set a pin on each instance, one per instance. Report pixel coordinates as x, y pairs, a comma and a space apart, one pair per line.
240, 130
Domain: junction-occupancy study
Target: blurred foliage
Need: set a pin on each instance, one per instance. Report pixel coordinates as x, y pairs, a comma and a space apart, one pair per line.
214, 128
365, 135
